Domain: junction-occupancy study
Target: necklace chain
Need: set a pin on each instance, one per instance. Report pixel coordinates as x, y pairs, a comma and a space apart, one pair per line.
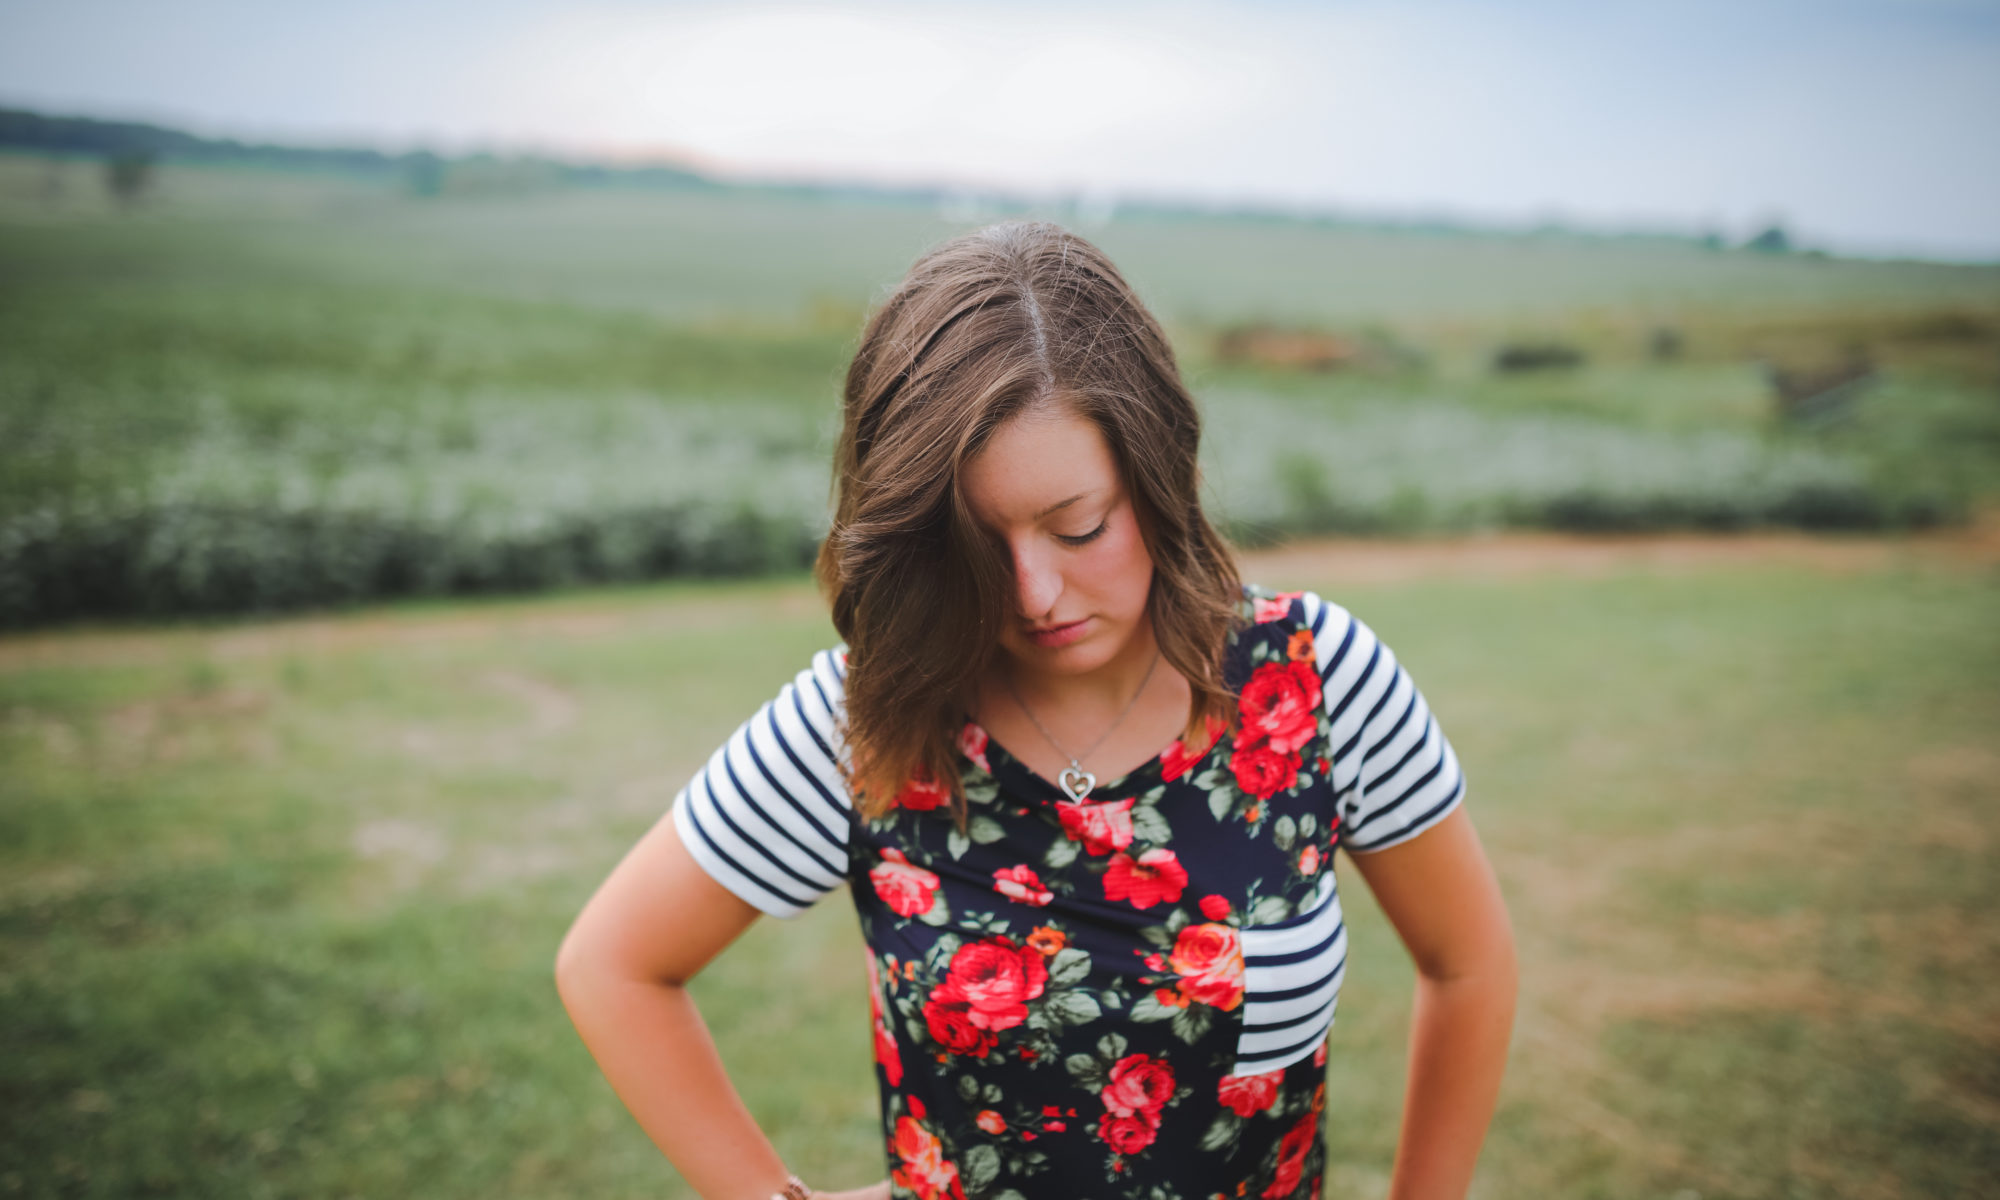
1085, 780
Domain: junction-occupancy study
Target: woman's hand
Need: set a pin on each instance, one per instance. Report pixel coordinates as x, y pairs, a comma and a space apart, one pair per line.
879, 1191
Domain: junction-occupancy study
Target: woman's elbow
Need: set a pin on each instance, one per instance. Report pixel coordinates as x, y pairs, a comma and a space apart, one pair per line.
575, 964
1488, 959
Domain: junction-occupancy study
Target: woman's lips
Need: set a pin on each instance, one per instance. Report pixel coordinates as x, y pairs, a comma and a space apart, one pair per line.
1058, 635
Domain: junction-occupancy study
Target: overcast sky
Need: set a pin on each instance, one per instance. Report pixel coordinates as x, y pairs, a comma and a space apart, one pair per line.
1867, 125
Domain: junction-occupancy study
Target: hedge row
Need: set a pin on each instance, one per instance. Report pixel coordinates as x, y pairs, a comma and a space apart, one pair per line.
217, 558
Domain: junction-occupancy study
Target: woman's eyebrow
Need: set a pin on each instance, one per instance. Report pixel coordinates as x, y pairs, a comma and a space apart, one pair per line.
1061, 504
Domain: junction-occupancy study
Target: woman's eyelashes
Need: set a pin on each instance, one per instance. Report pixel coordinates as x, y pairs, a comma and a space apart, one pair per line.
1082, 538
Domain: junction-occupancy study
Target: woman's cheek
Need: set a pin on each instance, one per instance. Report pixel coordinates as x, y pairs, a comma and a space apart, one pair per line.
1125, 558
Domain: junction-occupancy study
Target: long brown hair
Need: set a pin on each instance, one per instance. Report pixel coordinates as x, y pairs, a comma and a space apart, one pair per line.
989, 325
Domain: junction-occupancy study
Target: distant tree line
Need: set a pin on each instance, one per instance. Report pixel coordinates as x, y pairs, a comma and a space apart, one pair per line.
131, 148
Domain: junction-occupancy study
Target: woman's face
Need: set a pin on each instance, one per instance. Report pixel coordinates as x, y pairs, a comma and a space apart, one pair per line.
1047, 487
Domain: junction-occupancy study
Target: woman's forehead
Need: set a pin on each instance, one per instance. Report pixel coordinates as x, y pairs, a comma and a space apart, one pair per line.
1039, 464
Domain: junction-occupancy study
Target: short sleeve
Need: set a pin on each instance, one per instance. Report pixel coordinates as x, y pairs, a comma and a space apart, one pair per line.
1394, 772
769, 815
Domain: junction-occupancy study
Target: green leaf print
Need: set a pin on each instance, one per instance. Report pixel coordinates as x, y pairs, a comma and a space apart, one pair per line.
1284, 832
982, 1166
1269, 909
1070, 965
1192, 1022
957, 843
1223, 1132
1149, 826
1076, 1008
1061, 853
1149, 1008
1086, 1070
985, 829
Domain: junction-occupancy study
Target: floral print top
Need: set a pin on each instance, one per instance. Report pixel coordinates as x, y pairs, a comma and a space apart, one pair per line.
1124, 997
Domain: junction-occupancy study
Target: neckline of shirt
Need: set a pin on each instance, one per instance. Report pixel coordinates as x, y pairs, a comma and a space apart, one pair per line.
997, 753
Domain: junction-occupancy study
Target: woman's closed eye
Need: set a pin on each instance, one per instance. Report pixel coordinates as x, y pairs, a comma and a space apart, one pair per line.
1082, 538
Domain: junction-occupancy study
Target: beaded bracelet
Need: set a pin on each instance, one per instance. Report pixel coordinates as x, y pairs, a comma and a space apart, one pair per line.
795, 1189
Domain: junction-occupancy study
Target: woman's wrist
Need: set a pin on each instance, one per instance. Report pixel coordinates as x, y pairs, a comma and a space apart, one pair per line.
794, 1189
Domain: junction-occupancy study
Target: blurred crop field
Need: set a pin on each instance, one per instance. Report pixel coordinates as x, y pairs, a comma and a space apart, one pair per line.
279, 901
263, 389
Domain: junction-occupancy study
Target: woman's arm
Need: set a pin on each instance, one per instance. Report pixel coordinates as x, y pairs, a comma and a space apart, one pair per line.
1439, 892
622, 972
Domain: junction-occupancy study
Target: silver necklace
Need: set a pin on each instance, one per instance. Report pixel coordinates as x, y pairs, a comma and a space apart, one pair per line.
1077, 782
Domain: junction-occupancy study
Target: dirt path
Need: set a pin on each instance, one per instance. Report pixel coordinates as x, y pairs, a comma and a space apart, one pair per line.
1516, 553
1348, 560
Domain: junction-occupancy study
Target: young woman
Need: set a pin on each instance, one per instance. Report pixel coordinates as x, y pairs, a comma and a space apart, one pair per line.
1086, 787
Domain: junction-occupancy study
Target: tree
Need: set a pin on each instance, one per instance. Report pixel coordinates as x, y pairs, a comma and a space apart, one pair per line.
128, 174
1774, 240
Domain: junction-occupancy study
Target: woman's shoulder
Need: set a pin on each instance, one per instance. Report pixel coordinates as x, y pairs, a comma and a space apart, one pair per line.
1302, 608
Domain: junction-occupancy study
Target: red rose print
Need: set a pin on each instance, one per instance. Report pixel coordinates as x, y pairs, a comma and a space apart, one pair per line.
1292, 1157
1319, 1055
1281, 706
1277, 606
924, 1168
886, 1054
1178, 757
1127, 1135
990, 1121
986, 989
1021, 883
1309, 860
1262, 771
921, 793
1155, 876
1138, 1086
1214, 907
1101, 827
1209, 959
1247, 1095
997, 977
972, 743
906, 888
951, 1027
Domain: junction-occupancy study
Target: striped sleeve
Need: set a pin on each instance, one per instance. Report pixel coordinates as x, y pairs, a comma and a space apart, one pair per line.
1394, 772
768, 816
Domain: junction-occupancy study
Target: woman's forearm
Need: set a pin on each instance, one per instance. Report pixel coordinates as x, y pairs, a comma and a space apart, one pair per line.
655, 1049
1458, 1051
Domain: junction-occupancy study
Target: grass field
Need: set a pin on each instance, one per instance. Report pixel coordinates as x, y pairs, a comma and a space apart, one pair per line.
265, 390
279, 902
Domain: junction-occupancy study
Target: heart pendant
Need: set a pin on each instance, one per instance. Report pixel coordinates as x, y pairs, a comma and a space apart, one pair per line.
1077, 782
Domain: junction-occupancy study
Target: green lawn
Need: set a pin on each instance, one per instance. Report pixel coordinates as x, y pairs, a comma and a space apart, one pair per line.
279, 902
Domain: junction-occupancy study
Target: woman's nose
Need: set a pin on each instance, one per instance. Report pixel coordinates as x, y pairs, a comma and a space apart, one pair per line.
1037, 585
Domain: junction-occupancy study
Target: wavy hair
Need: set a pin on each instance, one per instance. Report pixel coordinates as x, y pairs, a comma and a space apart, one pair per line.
1013, 318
